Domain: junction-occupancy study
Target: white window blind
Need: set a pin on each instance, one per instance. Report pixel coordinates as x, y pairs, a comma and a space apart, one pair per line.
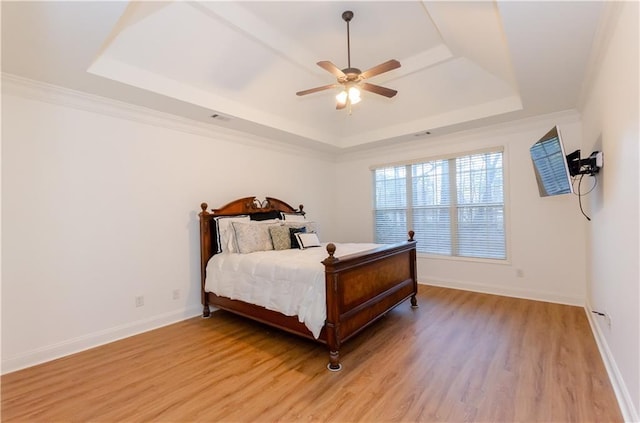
454, 205
391, 204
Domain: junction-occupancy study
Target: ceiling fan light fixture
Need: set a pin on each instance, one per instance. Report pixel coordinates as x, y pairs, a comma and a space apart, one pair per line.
342, 97
350, 94
354, 95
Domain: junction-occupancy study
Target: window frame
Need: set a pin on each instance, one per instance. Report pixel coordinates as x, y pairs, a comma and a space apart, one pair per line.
453, 206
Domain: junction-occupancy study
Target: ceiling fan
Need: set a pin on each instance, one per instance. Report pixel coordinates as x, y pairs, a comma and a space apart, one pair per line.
350, 79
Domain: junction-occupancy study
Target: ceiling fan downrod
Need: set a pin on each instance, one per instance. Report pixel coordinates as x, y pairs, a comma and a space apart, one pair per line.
350, 74
347, 16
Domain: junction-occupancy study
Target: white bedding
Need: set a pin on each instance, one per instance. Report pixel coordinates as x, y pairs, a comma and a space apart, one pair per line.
288, 281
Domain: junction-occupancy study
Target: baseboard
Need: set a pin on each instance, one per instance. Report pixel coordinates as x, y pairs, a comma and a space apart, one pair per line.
92, 340
627, 408
527, 294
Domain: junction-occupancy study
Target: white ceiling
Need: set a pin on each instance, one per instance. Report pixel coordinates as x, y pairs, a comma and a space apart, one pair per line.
464, 64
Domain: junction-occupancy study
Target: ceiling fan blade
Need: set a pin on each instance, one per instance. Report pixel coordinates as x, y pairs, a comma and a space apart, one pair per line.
331, 68
387, 92
316, 89
381, 68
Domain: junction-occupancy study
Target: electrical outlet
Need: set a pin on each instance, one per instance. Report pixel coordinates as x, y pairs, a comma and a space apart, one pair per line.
605, 315
176, 294
139, 301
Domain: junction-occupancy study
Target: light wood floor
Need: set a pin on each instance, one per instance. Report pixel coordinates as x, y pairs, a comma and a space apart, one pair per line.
460, 357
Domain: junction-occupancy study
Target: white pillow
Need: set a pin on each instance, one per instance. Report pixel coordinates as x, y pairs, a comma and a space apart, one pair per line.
252, 237
293, 217
306, 240
226, 234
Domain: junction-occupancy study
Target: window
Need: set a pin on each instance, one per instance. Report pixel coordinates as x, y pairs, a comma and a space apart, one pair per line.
454, 205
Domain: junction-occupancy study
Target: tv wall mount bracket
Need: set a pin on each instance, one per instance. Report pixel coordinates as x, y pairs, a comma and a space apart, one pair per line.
589, 166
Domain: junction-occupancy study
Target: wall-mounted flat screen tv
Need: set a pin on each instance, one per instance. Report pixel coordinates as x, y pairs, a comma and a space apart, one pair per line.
550, 165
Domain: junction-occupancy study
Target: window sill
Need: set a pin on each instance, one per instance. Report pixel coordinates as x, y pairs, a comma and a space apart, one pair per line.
499, 262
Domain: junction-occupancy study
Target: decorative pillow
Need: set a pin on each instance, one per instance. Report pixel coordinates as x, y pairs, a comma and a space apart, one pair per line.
280, 237
292, 236
307, 240
226, 234
293, 217
252, 237
310, 225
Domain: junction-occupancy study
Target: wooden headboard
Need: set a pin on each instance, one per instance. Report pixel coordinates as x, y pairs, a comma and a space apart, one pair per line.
270, 208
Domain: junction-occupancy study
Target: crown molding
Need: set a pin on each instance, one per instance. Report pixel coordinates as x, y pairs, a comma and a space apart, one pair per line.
464, 136
41, 91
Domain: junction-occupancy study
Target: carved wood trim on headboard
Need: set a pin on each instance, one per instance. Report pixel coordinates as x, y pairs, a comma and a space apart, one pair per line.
250, 205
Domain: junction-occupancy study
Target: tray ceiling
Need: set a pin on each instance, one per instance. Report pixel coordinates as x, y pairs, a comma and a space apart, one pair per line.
463, 63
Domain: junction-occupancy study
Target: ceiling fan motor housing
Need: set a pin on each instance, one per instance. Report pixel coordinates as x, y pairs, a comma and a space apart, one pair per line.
351, 75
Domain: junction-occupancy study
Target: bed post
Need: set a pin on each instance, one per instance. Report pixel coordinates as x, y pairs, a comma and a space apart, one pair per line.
205, 255
332, 324
414, 276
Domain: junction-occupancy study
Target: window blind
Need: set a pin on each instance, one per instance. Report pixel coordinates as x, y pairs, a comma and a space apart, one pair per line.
454, 205
391, 205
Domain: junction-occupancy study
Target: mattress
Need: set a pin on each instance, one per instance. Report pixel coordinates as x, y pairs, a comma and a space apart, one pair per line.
290, 281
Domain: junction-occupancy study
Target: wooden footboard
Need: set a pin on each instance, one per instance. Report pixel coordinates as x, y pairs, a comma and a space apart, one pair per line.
363, 287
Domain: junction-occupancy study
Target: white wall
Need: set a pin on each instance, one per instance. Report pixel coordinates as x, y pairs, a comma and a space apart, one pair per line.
99, 209
100, 204
545, 235
610, 124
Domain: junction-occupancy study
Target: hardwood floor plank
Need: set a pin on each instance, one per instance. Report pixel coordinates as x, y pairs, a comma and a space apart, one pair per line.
460, 357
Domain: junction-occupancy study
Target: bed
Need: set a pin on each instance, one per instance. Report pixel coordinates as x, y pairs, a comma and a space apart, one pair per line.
358, 288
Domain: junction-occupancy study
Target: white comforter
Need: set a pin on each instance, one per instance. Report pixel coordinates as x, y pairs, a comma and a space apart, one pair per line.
289, 281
